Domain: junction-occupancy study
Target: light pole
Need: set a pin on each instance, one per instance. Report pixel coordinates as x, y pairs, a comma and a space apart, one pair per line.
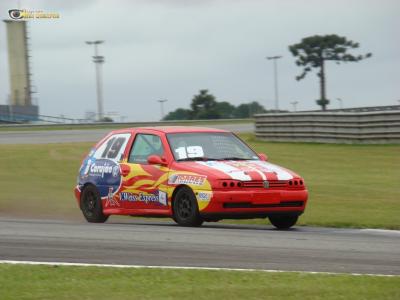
275, 58
341, 102
162, 107
294, 103
98, 60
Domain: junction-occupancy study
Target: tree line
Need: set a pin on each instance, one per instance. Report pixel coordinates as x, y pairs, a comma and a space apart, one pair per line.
205, 106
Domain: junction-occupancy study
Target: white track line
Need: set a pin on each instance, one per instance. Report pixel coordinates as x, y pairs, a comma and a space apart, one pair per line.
385, 231
15, 262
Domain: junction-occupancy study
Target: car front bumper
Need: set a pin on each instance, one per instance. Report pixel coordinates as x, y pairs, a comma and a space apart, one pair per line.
258, 203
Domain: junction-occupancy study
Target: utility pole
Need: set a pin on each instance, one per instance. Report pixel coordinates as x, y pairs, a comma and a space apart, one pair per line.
98, 60
341, 102
294, 103
162, 107
275, 58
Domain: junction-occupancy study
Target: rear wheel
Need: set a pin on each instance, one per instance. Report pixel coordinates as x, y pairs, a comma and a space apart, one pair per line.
91, 206
283, 221
185, 208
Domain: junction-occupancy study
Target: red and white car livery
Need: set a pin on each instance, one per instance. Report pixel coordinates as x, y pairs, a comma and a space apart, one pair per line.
187, 173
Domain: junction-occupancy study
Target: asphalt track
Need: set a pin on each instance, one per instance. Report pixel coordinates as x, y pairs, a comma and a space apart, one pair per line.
86, 135
140, 242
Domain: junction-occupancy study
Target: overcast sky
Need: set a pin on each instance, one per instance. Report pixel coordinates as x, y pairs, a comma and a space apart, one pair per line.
170, 49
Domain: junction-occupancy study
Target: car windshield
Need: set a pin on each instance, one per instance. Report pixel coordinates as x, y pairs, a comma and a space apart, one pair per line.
203, 146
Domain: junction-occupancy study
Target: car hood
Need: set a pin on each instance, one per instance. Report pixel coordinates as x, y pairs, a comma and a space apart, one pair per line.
244, 170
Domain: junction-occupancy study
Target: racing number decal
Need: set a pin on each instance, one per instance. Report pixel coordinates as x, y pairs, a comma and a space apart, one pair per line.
191, 151
113, 147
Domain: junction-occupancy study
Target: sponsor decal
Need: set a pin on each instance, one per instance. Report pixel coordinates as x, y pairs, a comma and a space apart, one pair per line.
204, 196
104, 168
115, 171
104, 173
163, 198
126, 196
187, 179
100, 168
157, 197
110, 198
86, 168
148, 197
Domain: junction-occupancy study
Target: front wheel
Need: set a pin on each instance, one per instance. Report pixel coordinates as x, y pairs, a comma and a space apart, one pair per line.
283, 221
91, 206
185, 208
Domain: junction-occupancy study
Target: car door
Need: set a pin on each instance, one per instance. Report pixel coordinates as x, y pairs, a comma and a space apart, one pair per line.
144, 186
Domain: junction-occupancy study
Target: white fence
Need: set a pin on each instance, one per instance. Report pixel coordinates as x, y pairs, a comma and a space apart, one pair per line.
330, 127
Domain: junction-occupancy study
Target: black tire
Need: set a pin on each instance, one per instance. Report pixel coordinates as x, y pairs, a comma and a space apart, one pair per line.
91, 206
185, 208
283, 221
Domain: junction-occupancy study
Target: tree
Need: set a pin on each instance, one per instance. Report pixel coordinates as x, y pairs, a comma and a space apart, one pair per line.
247, 110
225, 109
204, 106
179, 114
313, 51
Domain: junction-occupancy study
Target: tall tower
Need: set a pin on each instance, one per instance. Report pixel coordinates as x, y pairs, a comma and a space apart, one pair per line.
18, 58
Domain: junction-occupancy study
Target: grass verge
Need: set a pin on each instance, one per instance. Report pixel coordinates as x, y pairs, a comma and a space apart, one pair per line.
66, 282
349, 185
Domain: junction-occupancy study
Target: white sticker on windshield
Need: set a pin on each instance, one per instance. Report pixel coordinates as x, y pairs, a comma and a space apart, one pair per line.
190, 151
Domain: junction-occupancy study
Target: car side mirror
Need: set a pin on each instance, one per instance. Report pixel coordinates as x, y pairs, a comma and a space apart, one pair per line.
263, 156
156, 160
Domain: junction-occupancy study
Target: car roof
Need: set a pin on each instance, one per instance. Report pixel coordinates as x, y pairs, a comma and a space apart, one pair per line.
171, 129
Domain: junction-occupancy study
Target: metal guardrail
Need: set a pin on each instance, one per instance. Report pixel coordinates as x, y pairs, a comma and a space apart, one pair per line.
25, 118
381, 127
362, 109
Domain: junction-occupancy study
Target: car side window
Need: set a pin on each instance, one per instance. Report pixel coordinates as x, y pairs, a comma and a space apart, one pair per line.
144, 146
113, 147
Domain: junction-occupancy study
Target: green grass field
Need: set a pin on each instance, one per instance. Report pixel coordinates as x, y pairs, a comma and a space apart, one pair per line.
25, 282
349, 185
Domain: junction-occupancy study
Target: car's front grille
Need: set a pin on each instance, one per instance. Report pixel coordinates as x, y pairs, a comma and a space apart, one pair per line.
251, 205
260, 184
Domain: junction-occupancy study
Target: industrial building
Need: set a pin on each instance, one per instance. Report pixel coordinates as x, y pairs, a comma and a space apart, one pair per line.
19, 107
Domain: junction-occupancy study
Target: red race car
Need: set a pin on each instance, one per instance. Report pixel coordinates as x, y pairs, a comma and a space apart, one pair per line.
187, 173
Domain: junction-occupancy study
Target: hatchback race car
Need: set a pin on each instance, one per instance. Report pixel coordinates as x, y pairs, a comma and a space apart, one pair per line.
190, 174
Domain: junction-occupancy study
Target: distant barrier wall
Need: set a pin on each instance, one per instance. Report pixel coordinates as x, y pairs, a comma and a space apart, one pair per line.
79, 123
18, 113
330, 127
